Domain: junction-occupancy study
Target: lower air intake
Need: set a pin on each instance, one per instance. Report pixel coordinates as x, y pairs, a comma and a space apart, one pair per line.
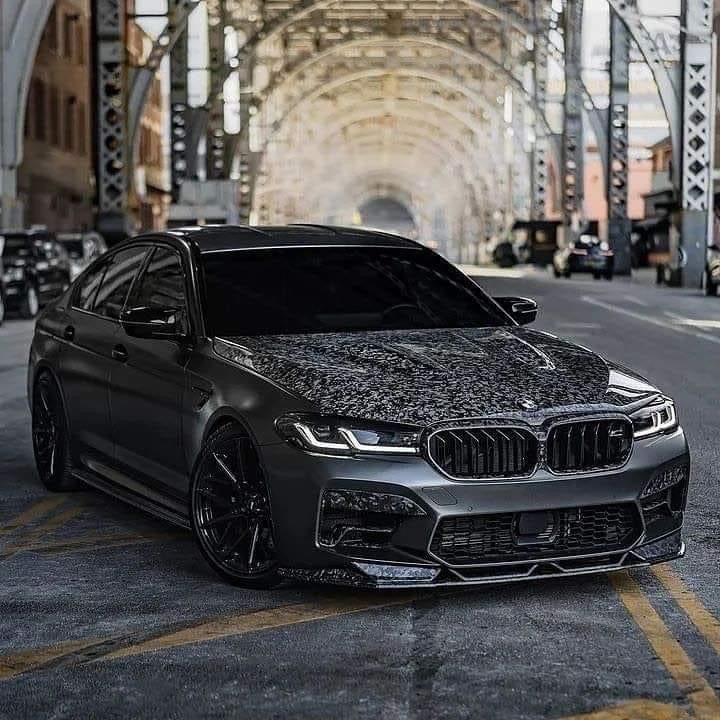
480, 539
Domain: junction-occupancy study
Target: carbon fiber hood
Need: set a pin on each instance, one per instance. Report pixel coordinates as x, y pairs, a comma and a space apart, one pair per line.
427, 376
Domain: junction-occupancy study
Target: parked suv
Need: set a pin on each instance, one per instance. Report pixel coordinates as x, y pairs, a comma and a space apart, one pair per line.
712, 271
36, 269
82, 248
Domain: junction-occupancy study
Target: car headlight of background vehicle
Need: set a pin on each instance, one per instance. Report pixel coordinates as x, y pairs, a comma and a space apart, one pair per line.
344, 436
15, 274
659, 417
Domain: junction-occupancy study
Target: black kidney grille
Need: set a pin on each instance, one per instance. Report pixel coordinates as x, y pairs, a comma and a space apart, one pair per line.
492, 452
480, 539
589, 445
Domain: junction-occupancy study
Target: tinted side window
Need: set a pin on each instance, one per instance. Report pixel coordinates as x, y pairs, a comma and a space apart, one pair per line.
116, 284
163, 282
86, 290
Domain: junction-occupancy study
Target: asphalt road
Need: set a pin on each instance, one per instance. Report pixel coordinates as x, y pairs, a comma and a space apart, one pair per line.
106, 613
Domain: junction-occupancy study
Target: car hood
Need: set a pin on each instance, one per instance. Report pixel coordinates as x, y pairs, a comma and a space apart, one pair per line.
428, 376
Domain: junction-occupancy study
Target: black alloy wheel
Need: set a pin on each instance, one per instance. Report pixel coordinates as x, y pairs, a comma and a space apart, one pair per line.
230, 510
51, 441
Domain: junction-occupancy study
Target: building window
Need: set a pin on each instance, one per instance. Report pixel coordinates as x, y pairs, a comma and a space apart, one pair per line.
82, 128
68, 26
51, 32
80, 43
39, 107
69, 123
54, 116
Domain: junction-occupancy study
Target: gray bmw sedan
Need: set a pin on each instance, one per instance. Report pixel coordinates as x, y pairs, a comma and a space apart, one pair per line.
339, 405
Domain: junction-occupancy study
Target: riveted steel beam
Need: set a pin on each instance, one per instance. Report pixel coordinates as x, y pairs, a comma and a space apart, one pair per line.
573, 153
215, 134
541, 145
698, 121
140, 78
178, 104
619, 225
110, 130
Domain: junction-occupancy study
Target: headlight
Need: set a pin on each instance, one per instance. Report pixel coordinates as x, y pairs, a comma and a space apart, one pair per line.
13, 274
654, 419
331, 435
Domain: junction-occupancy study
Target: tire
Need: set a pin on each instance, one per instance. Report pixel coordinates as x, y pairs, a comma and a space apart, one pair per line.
711, 289
51, 439
30, 306
230, 510
596, 275
556, 272
567, 274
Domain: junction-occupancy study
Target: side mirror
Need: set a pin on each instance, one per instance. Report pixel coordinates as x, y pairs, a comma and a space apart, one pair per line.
152, 322
522, 310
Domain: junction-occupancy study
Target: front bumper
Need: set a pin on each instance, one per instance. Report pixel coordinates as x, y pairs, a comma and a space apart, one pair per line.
408, 558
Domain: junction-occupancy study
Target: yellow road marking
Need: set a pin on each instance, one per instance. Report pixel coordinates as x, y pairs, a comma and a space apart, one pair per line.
263, 620
51, 524
635, 710
704, 701
12, 665
35, 511
700, 616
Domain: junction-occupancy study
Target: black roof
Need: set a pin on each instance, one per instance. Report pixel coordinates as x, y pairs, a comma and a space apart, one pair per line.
216, 238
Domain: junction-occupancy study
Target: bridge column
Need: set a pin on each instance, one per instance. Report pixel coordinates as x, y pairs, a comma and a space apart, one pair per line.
698, 123
215, 133
110, 130
619, 225
541, 147
21, 26
573, 150
178, 105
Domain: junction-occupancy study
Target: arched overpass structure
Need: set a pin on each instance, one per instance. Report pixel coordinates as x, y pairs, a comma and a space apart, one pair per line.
440, 104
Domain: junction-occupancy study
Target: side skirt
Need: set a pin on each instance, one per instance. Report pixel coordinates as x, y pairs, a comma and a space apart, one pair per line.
159, 506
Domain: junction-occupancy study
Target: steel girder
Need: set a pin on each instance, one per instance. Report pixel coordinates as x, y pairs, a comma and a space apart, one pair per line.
573, 159
619, 225
110, 128
215, 133
141, 77
541, 141
178, 105
698, 113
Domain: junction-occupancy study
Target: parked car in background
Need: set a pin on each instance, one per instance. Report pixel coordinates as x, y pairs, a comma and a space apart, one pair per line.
2, 283
504, 254
711, 281
36, 269
82, 248
586, 254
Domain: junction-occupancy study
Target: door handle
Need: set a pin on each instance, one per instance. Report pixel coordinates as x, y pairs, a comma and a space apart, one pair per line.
69, 333
119, 353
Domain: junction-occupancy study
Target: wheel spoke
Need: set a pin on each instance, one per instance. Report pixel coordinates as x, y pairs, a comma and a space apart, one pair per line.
227, 517
226, 469
251, 557
227, 551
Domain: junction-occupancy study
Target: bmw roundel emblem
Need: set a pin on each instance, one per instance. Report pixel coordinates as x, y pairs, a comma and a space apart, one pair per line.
527, 404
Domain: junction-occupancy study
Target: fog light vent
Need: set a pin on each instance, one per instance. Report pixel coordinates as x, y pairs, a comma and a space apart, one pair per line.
664, 479
359, 518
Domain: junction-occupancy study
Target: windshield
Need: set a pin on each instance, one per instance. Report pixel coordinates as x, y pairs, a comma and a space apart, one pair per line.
74, 248
16, 246
339, 289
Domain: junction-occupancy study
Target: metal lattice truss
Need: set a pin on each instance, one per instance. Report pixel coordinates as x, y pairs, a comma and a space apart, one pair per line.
353, 99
